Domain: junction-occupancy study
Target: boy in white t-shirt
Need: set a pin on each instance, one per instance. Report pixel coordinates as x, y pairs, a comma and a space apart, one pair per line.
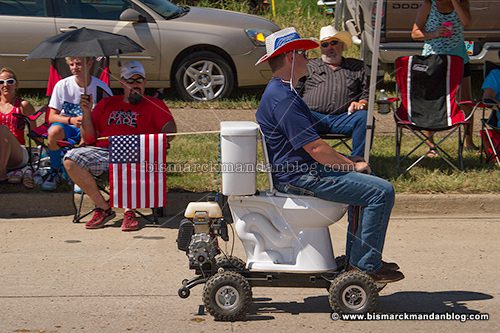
65, 112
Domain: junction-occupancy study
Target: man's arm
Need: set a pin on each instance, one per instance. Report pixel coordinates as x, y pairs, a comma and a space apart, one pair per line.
321, 152
362, 103
56, 117
169, 127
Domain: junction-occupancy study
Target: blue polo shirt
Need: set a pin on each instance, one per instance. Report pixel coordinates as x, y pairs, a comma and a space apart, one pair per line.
287, 124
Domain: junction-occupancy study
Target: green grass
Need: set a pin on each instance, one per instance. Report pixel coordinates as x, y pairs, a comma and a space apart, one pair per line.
432, 176
190, 154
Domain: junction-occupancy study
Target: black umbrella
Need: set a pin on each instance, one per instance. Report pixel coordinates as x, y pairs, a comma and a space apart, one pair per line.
84, 42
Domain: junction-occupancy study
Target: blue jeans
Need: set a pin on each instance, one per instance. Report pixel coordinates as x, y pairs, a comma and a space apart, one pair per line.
373, 194
353, 125
72, 135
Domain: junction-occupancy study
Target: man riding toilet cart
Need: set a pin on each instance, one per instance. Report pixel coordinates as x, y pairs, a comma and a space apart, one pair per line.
284, 230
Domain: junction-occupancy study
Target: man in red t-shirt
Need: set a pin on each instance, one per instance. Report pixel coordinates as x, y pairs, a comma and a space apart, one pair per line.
129, 114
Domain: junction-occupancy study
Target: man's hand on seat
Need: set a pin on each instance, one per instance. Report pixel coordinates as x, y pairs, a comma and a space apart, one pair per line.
356, 159
362, 167
355, 106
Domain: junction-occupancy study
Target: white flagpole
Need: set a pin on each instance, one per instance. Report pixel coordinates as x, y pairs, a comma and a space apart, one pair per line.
373, 79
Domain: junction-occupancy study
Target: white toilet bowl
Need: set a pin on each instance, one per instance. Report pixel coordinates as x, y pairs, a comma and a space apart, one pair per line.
286, 233
280, 232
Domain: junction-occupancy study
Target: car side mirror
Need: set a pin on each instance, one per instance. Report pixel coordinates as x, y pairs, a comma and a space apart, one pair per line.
132, 15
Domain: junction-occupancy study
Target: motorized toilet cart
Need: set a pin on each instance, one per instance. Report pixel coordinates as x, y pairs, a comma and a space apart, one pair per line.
285, 237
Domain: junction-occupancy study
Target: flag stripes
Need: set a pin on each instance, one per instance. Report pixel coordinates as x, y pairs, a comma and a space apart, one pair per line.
137, 173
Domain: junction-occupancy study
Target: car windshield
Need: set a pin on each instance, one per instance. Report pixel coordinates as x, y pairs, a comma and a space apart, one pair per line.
165, 8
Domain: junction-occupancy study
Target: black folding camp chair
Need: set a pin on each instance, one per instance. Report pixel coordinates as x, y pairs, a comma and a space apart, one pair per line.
342, 140
428, 87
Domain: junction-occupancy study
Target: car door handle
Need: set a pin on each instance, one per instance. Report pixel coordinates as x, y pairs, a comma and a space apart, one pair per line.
68, 29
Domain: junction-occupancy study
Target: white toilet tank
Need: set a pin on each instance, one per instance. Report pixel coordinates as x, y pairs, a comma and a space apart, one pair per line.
238, 157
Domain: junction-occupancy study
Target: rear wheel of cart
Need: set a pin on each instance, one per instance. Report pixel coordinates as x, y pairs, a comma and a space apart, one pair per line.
353, 292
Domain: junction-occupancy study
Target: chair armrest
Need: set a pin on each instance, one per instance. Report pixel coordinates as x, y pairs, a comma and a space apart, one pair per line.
487, 103
468, 103
32, 117
387, 101
65, 143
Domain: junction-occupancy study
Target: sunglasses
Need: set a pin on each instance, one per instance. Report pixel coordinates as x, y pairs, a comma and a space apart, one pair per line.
136, 80
9, 82
332, 43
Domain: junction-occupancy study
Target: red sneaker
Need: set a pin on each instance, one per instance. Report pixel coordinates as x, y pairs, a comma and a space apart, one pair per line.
100, 218
130, 222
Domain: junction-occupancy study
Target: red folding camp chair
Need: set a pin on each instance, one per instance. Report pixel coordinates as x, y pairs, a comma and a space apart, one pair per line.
429, 87
59, 70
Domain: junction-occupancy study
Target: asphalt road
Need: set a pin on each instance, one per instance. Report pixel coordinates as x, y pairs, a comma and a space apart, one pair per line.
58, 277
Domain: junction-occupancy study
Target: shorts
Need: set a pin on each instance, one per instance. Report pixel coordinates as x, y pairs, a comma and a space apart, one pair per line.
93, 159
25, 160
467, 71
71, 133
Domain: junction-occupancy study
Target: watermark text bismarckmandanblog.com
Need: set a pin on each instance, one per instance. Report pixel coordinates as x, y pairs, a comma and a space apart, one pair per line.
447, 316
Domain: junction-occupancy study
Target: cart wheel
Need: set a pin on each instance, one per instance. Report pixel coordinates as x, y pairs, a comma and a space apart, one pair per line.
353, 292
230, 263
227, 296
184, 292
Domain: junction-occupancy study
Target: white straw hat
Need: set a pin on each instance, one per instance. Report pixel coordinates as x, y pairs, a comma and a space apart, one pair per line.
329, 32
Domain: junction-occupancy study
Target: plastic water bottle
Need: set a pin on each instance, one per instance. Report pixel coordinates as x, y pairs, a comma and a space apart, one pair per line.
383, 107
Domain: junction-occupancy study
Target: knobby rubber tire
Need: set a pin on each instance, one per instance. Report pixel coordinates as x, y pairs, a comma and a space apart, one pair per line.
355, 282
235, 282
230, 263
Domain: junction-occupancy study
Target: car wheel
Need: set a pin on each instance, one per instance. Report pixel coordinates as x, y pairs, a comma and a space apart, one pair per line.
204, 76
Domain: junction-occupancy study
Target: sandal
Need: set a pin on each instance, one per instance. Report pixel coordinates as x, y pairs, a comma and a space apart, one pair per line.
432, 153
15, 177
28, 181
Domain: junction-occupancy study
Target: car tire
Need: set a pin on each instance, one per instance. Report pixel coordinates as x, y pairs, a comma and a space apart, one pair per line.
203, 76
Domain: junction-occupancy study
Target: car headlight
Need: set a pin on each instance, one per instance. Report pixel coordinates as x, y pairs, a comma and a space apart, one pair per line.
258, 36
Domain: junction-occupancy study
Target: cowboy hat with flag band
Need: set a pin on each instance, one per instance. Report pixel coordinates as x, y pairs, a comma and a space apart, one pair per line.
283, 41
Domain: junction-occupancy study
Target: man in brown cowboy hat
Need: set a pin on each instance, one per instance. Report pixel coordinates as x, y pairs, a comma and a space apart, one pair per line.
303, 163
336, 90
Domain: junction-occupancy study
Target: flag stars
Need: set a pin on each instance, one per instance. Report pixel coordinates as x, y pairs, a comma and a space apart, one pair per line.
124, 149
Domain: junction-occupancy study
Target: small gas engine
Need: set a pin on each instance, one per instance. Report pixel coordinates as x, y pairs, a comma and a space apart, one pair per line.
198, 234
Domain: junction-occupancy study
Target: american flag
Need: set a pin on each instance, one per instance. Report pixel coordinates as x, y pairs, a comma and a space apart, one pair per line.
137, 171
